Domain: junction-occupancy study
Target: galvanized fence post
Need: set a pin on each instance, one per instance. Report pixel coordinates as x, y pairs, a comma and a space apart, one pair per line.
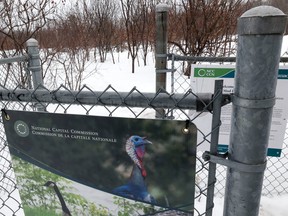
260, 33
161, 49
34, 66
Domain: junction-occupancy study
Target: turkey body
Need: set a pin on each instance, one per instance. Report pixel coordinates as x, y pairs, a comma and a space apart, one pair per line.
135, 188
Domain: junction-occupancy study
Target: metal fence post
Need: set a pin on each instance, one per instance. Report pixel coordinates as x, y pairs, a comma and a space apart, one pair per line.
216, 122
161, 49
260, 33
34, 63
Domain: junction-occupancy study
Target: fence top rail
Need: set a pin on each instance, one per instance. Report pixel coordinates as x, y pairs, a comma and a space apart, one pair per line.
175, 57
134, 98
13, 59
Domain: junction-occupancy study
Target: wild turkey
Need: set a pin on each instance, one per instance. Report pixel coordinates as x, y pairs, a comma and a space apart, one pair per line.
136, 187
65, 210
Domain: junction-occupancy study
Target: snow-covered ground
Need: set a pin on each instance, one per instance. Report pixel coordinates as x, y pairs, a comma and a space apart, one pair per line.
119, 76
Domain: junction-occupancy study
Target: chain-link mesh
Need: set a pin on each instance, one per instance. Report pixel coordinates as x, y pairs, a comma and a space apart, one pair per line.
75, 106
276, 175
9, 194
63, 100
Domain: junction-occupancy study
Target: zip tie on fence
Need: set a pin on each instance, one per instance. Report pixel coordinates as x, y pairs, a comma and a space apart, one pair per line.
221, 159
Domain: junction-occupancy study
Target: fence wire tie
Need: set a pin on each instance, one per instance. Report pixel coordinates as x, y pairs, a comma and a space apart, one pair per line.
221, 159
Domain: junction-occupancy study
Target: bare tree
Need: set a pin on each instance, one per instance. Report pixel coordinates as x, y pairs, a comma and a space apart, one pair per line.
146, 26
69, 69
71, 51
132, 17
21, 20
102, 17
205, 28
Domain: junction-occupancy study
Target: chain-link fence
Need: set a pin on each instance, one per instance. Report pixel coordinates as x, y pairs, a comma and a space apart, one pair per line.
276, 177
16, 95
10, 199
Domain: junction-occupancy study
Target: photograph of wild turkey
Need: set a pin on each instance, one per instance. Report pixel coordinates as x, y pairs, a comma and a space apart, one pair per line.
113, 155
136, 187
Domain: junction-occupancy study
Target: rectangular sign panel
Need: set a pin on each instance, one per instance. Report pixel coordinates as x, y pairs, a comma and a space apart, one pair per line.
202, 81
151, 161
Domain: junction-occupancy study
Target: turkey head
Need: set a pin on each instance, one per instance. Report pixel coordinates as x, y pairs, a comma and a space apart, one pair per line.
135, 148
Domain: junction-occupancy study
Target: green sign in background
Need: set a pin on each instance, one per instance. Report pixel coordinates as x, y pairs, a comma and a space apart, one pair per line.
212, 72
227, 73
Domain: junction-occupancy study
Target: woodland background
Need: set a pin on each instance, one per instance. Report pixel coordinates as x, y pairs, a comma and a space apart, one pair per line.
88, 29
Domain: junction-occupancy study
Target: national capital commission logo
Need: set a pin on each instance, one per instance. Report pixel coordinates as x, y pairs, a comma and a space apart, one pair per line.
21, 128
201, 73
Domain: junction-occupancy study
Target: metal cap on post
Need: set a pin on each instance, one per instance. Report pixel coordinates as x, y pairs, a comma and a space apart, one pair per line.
162, 7
260, 33
161, 49
34, 64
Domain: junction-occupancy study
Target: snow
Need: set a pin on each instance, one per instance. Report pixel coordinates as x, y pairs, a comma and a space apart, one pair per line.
274, 206
284, 50
119, 75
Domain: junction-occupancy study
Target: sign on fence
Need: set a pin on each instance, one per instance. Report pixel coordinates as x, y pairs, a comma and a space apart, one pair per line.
203, 79
151, 161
